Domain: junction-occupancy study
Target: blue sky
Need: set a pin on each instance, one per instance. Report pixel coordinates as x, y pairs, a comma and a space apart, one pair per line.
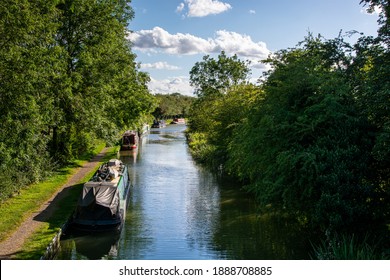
170, 36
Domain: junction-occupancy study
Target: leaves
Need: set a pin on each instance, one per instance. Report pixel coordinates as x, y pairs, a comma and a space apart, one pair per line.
313, 139
214, 77
67, 77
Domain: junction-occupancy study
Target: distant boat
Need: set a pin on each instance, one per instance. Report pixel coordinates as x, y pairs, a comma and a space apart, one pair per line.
178, 121
130, 140
102, 204
158, 124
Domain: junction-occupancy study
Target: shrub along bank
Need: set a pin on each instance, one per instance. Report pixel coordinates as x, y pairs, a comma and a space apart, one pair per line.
313, 139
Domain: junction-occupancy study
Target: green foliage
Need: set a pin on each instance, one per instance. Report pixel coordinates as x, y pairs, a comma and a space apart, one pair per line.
171, 105
313, 139
212, 77
201, 150
27, 48
67, 77
217, 120
349, 247
221, 89
311, 143
106, 92
384, 21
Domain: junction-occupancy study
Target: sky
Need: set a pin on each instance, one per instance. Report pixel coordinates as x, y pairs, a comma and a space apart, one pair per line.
170, 36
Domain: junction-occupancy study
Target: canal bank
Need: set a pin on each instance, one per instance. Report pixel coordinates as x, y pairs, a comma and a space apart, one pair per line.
14, 245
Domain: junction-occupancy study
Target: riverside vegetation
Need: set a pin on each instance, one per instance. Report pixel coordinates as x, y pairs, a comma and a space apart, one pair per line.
312, 141
69, 85
67, 78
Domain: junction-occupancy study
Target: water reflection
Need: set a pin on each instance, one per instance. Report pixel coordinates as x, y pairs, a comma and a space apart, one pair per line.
179, 210
89, 246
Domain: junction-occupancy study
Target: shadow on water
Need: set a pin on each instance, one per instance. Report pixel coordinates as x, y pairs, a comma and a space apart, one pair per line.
234, 229
89, 246
179, 210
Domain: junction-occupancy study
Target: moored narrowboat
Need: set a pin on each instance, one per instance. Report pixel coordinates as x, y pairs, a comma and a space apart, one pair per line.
102, 203
130, 140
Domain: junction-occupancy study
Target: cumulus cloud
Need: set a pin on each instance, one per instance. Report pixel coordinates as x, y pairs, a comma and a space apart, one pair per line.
242, 45
252, 12
159, 40
173, 84
161, 65
202, 8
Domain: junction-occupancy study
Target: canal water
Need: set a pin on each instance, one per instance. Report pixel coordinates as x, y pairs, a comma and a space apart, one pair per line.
179, 210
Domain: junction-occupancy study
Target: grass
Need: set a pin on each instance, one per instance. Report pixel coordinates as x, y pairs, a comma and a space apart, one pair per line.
16, 209
349, 247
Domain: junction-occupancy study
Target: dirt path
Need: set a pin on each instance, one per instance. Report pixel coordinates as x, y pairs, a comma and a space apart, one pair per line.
14, 243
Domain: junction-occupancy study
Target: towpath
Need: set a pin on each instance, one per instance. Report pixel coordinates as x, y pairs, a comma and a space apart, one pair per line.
14, 243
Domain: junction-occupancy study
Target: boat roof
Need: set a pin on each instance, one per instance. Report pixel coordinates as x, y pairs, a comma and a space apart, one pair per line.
112, 184
108, 175
129, 132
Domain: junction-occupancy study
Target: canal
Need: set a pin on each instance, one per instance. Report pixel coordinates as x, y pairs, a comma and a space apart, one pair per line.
179, 210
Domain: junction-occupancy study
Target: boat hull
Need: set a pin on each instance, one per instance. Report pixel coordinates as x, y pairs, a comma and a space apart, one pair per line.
97, 226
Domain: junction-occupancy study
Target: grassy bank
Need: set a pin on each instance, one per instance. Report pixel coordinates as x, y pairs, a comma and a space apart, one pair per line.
16, 209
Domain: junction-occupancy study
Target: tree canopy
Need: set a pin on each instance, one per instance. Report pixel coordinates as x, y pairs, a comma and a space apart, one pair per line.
172, 105
313, 139
67, 77
215, 76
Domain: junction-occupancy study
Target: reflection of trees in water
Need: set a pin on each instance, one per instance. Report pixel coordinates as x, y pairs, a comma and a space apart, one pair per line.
90, 246
135, 240
224, 219
246, 236
203, 210
216, 220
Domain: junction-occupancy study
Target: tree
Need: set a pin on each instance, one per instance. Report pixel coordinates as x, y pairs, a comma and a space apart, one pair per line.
384, 21
215, 77
103, 91
67, 77
212, 79
172, 105
29, 67
306, 147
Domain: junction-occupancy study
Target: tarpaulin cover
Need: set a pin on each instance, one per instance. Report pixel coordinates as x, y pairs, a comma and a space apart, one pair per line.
97, 199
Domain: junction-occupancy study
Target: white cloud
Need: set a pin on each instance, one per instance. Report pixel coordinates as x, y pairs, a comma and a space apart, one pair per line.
171, 85
161, 65
242, 45
202, 8
180, 8
159, 40
252, 12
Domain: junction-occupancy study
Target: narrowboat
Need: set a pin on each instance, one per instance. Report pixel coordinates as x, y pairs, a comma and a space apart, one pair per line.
103, 201
158, 124
130, 140
178, 121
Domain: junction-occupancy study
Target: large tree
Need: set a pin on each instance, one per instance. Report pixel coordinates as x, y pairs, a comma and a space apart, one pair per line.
215, 76
224, 95
212, 79
102, 90
307, 146
29, 67
67, 77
